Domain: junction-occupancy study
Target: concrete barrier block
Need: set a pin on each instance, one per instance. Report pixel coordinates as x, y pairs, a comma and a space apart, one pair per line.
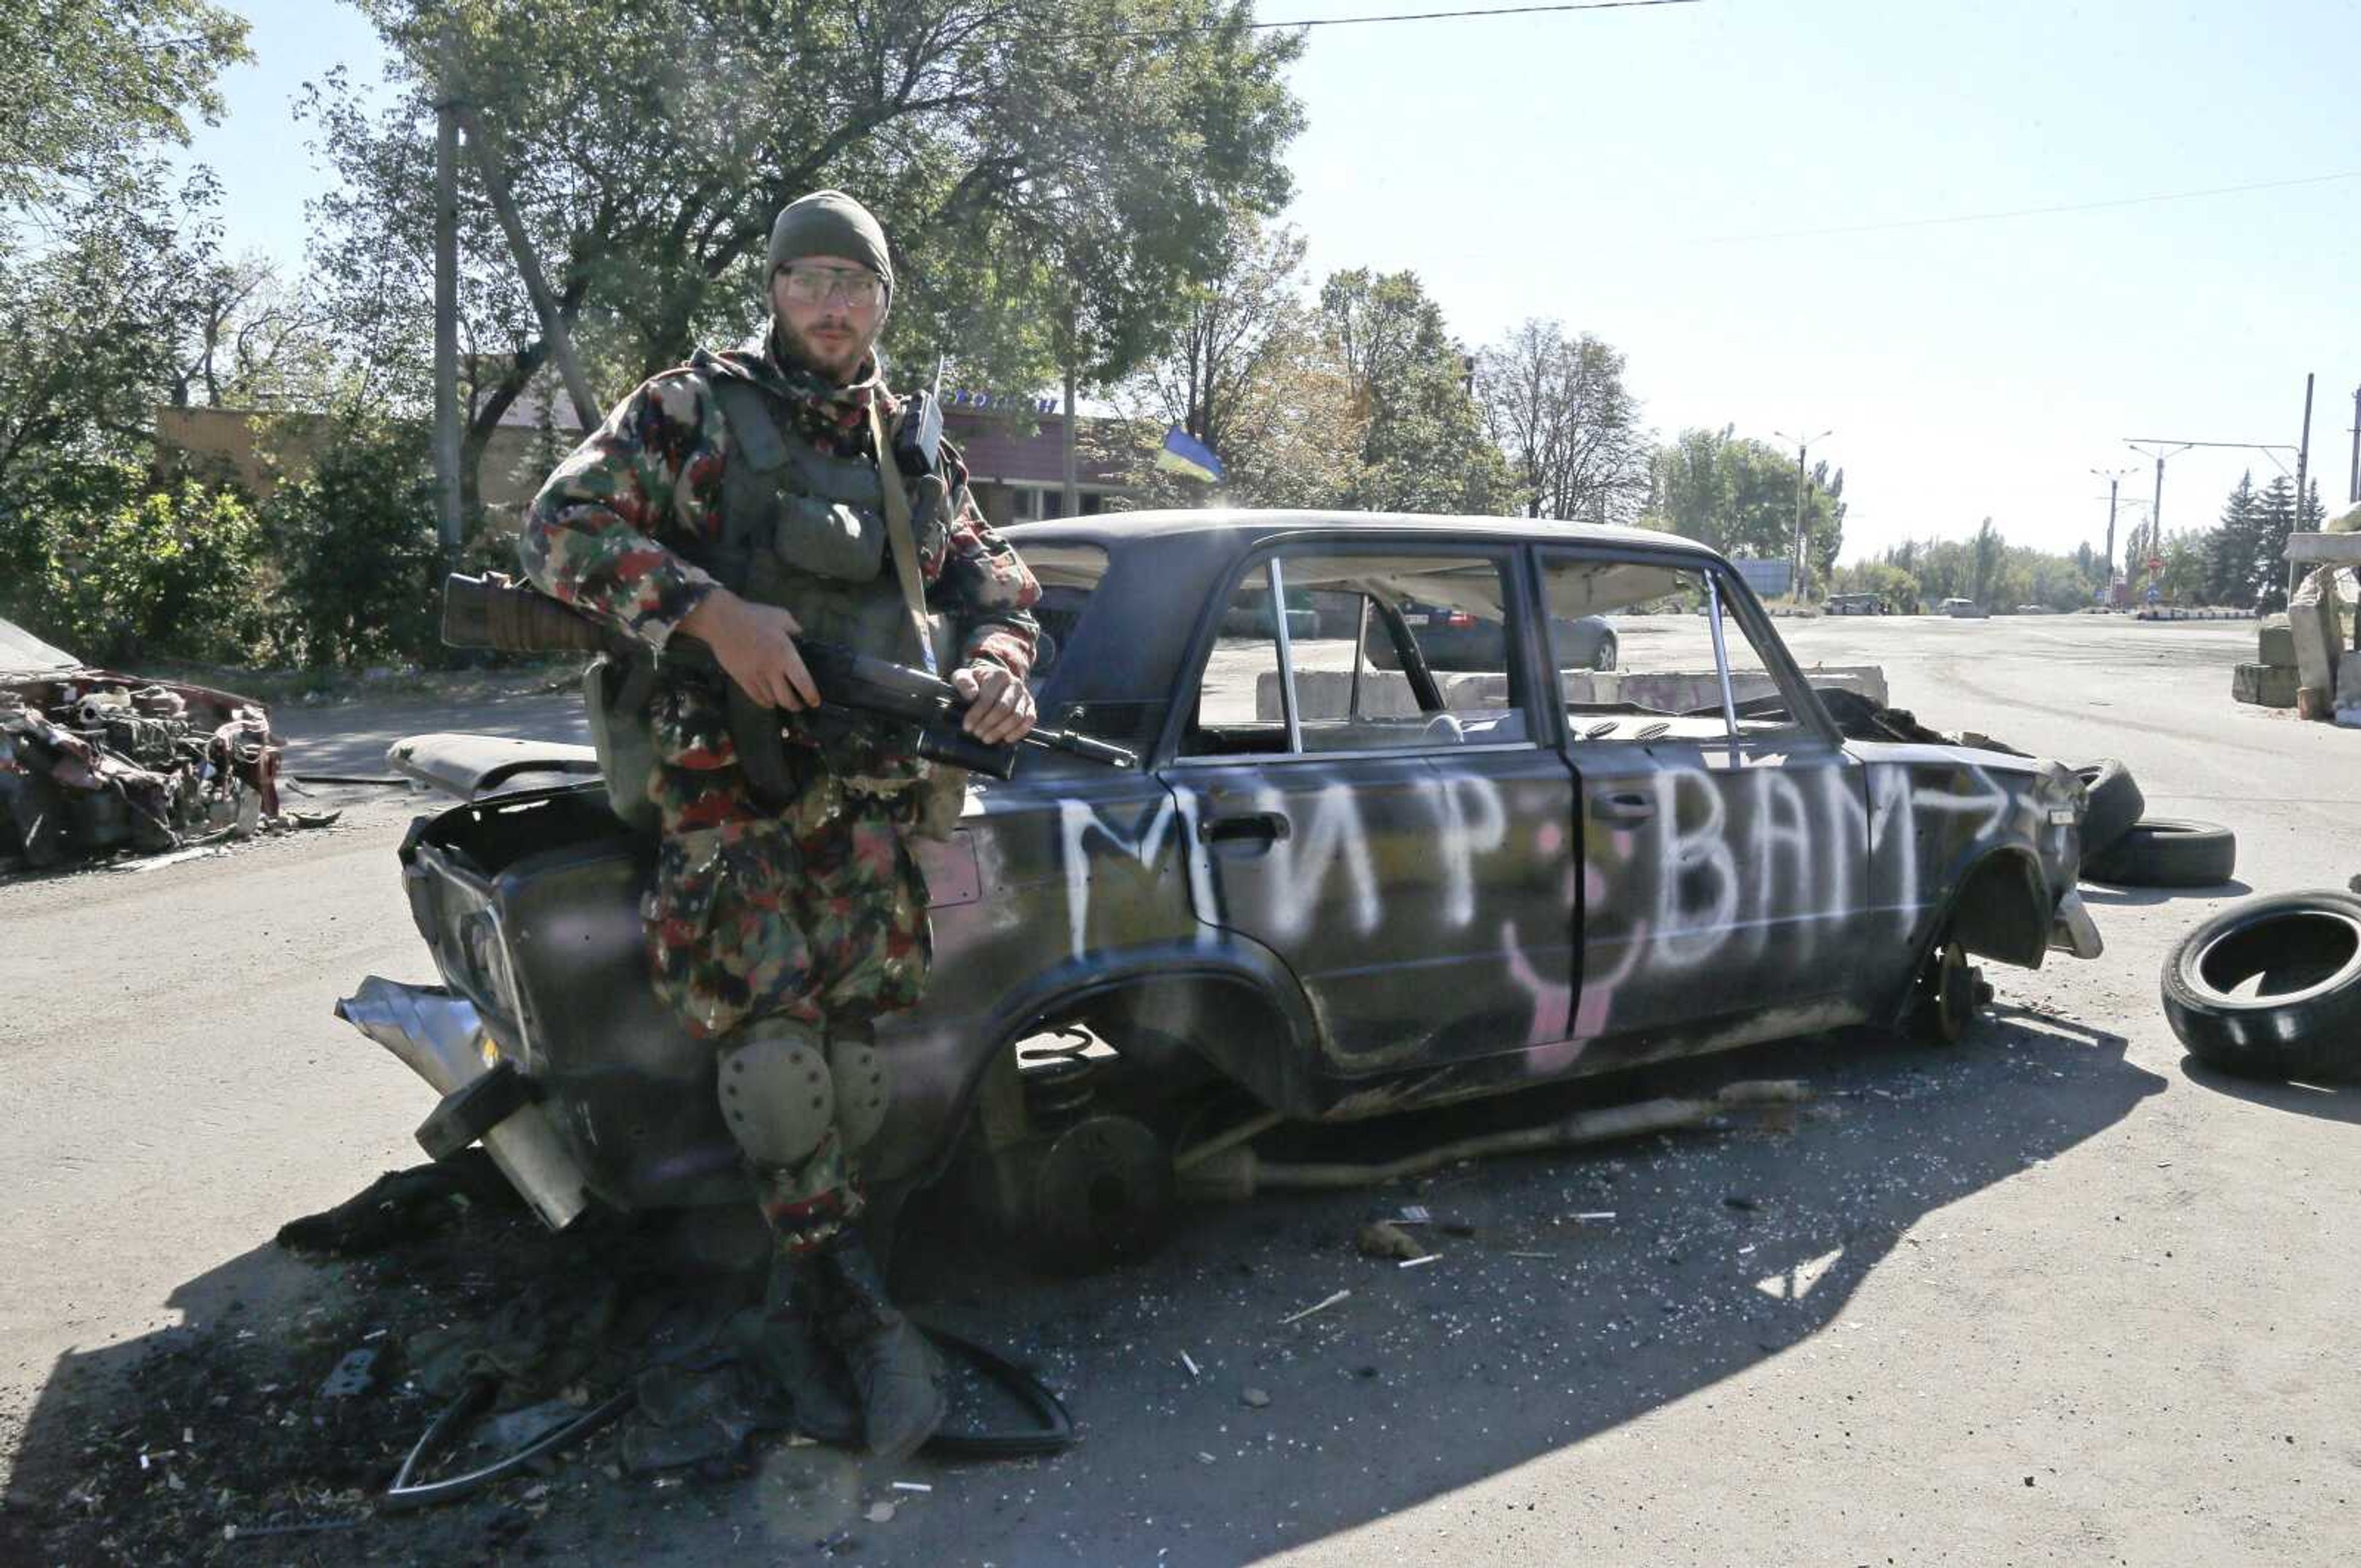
2317, 629
2348, 689
1385, 693
2275, 644
2268, 684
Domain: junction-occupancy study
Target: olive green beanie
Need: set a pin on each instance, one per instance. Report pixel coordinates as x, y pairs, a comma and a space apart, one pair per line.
828, 223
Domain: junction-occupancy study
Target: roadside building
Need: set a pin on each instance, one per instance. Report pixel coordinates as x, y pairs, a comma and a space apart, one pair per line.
1014, 448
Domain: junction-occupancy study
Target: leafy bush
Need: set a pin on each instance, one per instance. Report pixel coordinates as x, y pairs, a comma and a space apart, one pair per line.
356, 543
173, 573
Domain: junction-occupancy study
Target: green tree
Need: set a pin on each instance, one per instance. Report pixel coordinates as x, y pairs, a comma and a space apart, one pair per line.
1253, 375
1557, 408
1423, 444
172, 573
91, 84
354, 539
1030, 225
2229, 549
97, 242
1985, 563
1898, 587
1740, 496
2277, 515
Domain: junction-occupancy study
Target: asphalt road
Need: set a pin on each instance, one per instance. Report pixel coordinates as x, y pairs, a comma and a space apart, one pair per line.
2056, 1296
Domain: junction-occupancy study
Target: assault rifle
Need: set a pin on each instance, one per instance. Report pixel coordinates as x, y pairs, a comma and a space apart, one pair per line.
496, 612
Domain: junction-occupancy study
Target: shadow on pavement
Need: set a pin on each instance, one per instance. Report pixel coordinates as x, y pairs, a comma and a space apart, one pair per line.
2330, 1102
1534, 1329
2141, 897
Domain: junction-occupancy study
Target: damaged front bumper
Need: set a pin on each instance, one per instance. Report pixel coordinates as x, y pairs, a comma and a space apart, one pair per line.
2072, 930
440, 1037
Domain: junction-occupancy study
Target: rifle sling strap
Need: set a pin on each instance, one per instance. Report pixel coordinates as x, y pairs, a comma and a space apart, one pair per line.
899, 540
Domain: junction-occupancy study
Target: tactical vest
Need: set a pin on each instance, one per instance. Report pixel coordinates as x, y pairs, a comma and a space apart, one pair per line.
808, 534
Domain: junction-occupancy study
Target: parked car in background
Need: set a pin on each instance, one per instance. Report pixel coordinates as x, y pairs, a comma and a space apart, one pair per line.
1855, 604
1963, 609
1453, 639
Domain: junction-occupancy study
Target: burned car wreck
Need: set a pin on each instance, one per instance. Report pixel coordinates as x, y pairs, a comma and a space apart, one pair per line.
94, 761
1339, 884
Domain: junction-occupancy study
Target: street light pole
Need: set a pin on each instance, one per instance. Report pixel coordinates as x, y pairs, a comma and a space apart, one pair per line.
1803, 558
2156, 507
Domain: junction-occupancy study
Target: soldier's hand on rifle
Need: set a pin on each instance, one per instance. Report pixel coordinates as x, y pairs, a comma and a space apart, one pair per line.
755, 644
999, 705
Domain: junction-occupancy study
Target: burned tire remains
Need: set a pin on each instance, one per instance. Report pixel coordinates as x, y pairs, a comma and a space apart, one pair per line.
2113, 804
2162, 852
2271, 987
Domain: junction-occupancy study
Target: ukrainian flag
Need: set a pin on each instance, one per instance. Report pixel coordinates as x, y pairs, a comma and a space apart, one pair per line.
1186, 455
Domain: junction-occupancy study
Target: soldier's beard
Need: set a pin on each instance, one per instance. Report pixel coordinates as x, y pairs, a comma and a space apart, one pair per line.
840, 363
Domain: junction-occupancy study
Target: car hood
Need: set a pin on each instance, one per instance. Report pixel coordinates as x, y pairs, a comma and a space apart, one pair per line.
22, 654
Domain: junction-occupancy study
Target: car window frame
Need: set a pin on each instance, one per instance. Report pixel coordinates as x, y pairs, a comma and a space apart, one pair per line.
1519, 592
1737, 599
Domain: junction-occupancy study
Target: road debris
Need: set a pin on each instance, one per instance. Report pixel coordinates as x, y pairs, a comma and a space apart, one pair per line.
1189, 1365
1255, 1399
1237, 1174
880, 1513
1320, 1306
94, 761
1383, 1239
1415, 1262
912, 1487
353, 1375
1596, 1217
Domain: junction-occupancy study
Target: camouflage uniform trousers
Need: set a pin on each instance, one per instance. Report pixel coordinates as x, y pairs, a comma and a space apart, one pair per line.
815, 912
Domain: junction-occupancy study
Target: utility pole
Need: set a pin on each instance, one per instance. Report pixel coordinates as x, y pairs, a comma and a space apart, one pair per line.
2114, 478
1803, 559
2353, 487
2303, 465
447, 321
545, 303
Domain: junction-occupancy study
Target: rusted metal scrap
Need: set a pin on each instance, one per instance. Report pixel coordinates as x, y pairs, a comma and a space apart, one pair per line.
94, 761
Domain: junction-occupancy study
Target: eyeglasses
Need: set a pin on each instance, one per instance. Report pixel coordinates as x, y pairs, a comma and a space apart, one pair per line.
817, 285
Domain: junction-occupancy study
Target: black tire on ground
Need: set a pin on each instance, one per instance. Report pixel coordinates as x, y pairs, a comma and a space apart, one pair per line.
2161, 851
2113, 804
2271, 987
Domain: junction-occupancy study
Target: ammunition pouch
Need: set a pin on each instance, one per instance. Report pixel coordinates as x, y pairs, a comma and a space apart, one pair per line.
618, 692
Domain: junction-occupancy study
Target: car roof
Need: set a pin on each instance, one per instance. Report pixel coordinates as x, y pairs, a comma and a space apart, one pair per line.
1114, 528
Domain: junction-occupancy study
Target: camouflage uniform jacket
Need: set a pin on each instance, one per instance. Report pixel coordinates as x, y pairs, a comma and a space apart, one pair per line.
596, 535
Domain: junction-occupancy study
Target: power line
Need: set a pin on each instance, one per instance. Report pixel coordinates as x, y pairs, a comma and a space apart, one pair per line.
2038, 211
1398, 16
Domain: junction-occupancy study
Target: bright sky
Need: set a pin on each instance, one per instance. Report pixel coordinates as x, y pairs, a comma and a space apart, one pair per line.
1631, 172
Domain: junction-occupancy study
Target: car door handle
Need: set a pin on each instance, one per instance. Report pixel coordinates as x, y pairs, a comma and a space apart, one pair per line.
1266, 825
1624, 805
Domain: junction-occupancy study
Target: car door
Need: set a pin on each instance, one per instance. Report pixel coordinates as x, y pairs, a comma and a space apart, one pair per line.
1400, 838
1724, 862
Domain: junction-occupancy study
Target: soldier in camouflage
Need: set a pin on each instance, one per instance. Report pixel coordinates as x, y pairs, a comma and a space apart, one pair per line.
780, 931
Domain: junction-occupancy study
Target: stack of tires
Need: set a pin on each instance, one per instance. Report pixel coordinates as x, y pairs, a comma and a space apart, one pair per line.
2267, 988
2122, 845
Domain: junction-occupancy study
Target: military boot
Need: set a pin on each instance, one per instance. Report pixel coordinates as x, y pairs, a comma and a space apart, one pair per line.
895, 1373
781, 1343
